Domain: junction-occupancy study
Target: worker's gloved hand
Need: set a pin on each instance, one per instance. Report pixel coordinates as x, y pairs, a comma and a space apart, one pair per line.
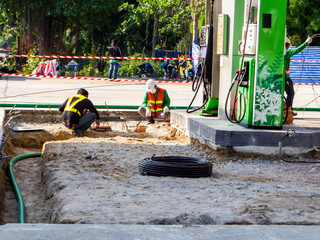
98, 123
148, 112
309, 40
166, 109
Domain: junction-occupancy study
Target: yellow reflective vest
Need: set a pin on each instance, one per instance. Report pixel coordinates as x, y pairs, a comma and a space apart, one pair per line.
70, 105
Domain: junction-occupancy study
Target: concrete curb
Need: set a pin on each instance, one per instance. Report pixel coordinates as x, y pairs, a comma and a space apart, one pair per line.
168, 232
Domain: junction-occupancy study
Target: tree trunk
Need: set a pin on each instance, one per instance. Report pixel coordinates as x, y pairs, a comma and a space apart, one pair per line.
195, 19
154, 35
41, 26
48, 36
77, 40
46, 40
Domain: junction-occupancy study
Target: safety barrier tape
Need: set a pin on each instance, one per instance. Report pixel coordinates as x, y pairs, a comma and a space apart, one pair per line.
86, 78
304, 60
314, 83
113, 80
120, 58
97, 57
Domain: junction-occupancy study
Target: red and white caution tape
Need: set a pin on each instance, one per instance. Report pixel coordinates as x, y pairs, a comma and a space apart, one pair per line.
111, 80
306, 83
304, 60
119, 58
86, 78
97, 57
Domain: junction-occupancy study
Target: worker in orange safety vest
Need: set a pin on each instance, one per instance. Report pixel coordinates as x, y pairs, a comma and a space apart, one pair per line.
155, 104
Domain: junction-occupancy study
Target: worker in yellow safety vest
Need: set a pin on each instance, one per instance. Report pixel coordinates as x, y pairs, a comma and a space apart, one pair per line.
78, 112
155, 104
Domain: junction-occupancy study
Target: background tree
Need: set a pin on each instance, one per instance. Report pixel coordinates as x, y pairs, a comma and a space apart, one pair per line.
167, 20
197, 7
303, 20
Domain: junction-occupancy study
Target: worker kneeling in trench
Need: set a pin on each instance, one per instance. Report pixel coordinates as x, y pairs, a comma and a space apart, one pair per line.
75, 114
155, 104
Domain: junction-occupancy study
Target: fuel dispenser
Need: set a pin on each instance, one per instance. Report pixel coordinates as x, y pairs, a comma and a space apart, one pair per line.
204, 73
255, 97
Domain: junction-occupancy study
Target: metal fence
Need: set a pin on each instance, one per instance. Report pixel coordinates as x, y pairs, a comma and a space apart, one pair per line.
305, 66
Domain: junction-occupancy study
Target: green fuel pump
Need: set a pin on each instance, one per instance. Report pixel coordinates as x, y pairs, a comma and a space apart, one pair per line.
259, 83
205, 69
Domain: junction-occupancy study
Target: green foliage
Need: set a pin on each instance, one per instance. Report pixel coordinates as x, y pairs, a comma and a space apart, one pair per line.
31, 63
87, 70
8, 26
303, 20
130, 68
9, 64
170, 18
202, 20
86, 27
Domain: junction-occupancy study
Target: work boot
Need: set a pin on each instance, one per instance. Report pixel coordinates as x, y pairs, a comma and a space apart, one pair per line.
78, 133
151, 121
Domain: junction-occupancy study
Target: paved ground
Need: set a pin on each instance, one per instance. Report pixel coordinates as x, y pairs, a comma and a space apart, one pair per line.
55, 91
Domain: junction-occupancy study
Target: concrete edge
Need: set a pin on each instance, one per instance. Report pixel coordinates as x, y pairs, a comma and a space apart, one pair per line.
169, 232
219, 134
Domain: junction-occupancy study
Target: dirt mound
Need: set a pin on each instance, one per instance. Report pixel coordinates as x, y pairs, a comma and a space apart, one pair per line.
96, 179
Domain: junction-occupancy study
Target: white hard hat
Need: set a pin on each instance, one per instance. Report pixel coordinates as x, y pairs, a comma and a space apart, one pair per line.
151, 86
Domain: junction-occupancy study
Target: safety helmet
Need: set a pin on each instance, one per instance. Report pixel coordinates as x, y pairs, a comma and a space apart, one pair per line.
288, 41
162, 65
151, 86
148, 64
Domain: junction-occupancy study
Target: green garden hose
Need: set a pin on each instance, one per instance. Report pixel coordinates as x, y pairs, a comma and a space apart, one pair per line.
15, 185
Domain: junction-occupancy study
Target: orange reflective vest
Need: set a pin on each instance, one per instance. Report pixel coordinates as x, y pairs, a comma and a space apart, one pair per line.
156, 104
70, 105
287, 72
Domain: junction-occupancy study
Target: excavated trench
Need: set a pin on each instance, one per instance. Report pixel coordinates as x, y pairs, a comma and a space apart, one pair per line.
95, 179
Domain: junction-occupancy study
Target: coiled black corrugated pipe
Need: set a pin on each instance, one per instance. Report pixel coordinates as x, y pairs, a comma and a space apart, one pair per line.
178, 166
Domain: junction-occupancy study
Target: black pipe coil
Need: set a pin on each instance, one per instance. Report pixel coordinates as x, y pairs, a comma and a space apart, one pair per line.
176, 166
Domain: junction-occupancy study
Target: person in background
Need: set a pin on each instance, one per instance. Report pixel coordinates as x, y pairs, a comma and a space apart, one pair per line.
185, 69
155, 104
288, 82
146, 70
75, 115
114, 51
163, 65
169, 69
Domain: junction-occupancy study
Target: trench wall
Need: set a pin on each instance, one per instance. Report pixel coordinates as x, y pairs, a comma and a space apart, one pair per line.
37, 116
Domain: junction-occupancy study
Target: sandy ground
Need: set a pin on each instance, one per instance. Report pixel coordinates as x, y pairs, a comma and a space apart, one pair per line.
96, 179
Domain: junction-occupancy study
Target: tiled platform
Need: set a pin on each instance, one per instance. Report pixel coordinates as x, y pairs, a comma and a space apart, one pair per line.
306, 130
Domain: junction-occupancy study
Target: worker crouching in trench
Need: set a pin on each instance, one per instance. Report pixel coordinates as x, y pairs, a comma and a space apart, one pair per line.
155, 104
75, 115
